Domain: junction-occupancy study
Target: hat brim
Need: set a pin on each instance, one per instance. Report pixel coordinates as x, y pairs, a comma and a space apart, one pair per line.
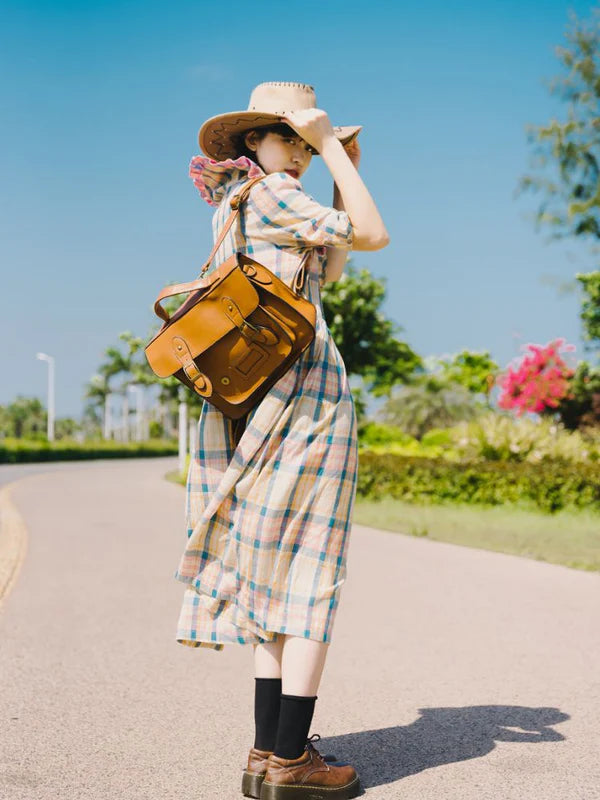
215, 137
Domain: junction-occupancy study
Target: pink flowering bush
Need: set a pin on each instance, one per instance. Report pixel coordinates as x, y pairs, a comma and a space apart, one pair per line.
539, 382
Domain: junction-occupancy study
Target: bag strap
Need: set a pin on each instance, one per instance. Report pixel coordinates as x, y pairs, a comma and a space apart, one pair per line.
235, 204
200, 282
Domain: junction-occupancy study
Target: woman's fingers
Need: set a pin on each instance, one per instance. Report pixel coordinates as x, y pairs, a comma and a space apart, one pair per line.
312, 124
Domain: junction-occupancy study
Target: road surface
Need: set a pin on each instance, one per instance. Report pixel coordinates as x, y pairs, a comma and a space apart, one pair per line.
453, 672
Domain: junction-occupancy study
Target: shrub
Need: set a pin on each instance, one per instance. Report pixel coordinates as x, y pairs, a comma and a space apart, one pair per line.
25, 450
547, 487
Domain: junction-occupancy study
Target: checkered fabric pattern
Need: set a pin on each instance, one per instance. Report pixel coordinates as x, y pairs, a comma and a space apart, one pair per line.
268, 521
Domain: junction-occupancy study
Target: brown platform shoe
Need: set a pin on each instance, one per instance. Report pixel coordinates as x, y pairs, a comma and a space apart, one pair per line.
308, 777
255, 772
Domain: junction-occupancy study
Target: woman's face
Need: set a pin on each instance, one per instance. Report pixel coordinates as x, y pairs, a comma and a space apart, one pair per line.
281, 153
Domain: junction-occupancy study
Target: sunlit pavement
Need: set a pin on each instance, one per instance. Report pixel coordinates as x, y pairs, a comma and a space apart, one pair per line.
453, 673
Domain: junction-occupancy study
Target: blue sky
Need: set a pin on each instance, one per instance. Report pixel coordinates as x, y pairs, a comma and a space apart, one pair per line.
100, 117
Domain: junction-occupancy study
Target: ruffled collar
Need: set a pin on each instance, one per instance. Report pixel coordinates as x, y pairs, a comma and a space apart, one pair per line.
212, 178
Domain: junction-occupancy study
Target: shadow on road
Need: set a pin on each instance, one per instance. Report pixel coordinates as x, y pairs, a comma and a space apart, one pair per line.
440, 736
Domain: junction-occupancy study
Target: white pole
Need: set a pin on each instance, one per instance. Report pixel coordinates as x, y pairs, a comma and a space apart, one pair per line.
192, 436
51, 399
50, 403
182, 435
107, 419
138, 411
125, 415
140, 414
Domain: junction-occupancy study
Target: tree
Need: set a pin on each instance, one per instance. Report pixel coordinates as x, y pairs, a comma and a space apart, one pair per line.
95, 392
581, 407
590, 309
477, 372
367, 341
449, 392
431, 403
571, 204
25, 417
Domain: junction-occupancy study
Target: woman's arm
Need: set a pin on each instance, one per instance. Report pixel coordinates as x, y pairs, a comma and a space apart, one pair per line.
369, 231
336, 257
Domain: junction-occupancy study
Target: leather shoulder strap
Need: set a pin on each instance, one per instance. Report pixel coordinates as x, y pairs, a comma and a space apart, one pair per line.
235, 203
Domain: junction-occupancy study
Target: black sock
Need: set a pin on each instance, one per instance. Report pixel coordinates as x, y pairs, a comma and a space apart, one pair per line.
295, 717
267, 699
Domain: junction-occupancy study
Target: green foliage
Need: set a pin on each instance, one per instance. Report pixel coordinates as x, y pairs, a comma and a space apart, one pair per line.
155, 429
429, 403
451, 389
489, 437
25, 416
548, 486
366, 339
582, 410
375, 433
27, 450
496, 437
590, 308
572, 194
477, 372
437, 437
379, 438
566, 160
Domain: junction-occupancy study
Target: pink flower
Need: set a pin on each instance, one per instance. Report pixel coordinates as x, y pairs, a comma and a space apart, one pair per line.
540, 381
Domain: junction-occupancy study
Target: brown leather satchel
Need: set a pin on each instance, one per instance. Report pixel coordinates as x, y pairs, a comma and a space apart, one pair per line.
238, 332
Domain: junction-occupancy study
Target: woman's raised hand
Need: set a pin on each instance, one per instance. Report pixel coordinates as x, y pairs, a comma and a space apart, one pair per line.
312, 124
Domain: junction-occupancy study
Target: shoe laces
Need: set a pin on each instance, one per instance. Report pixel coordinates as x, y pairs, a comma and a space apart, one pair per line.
309, 742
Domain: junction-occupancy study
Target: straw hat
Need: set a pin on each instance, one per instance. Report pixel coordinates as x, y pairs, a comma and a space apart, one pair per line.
268, 102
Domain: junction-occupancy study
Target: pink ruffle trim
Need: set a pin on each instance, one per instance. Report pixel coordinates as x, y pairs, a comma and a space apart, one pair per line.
210, 176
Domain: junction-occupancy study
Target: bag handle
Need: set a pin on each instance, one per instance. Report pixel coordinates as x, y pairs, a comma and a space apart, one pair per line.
200, 282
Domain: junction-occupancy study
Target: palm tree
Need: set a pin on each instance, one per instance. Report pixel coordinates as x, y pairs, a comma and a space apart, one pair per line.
96, 393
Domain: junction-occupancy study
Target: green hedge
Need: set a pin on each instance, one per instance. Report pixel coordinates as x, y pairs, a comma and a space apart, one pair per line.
547, 486
23, 450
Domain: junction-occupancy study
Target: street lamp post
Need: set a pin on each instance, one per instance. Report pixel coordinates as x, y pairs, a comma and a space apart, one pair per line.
50, 361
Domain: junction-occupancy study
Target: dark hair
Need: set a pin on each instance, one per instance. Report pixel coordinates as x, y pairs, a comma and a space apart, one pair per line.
282, 128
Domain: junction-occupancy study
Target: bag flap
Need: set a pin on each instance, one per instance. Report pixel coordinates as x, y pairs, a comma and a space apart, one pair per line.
203, 324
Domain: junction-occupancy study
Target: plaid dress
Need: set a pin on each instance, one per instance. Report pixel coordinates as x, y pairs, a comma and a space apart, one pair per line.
268, 519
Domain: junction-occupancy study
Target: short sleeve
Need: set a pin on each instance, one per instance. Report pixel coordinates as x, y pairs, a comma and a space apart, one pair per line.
283, 213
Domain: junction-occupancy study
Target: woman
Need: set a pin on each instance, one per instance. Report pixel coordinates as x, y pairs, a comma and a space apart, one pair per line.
269, 503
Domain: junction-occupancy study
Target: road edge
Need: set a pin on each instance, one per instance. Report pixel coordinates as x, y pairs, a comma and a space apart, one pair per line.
13, 542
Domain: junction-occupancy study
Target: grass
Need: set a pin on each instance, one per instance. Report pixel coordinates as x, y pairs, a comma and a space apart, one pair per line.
570, 538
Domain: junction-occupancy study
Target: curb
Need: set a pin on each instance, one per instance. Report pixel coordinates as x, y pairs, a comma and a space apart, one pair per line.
13, 542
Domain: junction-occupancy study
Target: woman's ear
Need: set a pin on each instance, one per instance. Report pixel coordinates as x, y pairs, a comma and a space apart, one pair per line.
250, 140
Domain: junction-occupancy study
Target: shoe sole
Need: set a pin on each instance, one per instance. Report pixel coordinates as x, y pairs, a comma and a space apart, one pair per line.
251, 784
307, 791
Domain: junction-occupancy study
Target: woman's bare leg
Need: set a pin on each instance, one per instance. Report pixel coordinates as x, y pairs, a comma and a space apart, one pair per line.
299, 662
267, 658
302, 665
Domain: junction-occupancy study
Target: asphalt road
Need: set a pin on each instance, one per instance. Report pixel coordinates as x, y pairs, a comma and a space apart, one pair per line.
453, 672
